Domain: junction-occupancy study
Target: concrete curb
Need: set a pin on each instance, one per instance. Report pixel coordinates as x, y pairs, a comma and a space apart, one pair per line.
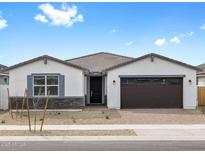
51, 110
106, 127
102, 138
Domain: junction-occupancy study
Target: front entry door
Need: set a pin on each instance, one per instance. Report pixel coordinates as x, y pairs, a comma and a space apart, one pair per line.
95, 90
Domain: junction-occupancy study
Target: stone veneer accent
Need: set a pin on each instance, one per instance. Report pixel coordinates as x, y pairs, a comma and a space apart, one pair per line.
53, 103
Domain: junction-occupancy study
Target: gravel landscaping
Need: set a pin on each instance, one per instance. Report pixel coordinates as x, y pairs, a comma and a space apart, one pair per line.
101, 115
87, 116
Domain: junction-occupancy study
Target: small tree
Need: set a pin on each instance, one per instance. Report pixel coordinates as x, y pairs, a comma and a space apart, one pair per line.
35, 102
202, 109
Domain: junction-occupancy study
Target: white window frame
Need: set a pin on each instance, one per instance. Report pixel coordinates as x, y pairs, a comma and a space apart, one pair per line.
45, 85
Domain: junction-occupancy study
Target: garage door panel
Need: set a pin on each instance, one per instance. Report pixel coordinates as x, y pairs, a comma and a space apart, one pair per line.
151, 95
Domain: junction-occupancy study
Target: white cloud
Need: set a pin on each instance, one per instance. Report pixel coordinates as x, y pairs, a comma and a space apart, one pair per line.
175, 40
3, 23
188, 34
66, 16
41, 18
129, 43
160, 42
202, 27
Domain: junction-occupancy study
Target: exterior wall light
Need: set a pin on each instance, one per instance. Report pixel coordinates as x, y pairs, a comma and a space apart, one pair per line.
190, 81
114, 82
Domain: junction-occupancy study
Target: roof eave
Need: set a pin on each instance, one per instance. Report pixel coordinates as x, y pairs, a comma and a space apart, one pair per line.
42, 57
200, 74
155, 55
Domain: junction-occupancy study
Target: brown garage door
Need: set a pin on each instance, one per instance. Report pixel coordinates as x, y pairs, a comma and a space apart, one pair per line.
151, 92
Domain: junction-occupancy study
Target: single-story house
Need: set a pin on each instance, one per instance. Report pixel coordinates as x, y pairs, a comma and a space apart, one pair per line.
4, 81
201, 75
149, 81
4, 78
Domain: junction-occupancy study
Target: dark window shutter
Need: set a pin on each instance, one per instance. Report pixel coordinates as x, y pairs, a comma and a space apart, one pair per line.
30, 85
61, 85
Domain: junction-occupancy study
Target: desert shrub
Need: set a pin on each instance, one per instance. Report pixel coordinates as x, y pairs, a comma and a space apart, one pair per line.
73, 119
202, 109
3, 121
107, 117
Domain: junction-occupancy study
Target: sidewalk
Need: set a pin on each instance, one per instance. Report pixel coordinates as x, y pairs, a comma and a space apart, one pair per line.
144, 133
107, 127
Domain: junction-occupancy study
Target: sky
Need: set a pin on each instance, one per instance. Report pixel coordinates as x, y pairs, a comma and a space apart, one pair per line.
68, 30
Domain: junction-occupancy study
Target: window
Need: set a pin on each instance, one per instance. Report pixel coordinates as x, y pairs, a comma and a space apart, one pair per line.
173, 81
131, 81
158, 81
52, 85
143, 81
45, 83
6, 80
124, 81
136, 81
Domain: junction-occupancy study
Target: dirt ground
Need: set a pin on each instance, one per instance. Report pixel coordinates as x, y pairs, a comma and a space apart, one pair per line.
101, 115
70, 133
87, 116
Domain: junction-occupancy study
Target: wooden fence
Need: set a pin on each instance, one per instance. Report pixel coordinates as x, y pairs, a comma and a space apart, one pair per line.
3, 97
201, 96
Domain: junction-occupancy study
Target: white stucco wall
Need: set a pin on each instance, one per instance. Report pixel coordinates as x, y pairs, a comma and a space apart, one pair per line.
158, 67
85, 85
74, 78
201, 81
105, 85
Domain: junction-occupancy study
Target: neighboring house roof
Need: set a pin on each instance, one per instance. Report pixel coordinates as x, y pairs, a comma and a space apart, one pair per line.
2, 67
202, 67
99, 61
4, 74
152, 55
44, 57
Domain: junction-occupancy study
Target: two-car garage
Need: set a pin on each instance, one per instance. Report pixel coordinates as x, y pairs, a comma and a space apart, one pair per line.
152, 81
151, 92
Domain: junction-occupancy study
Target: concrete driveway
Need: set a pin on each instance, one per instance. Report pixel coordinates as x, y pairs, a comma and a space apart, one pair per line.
162, 116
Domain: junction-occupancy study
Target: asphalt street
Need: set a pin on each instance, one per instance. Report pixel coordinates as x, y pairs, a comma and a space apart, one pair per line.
103, 146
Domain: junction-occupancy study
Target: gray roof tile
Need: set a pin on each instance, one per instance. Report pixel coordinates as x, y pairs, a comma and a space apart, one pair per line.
202, 66
2, 67
99, 61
